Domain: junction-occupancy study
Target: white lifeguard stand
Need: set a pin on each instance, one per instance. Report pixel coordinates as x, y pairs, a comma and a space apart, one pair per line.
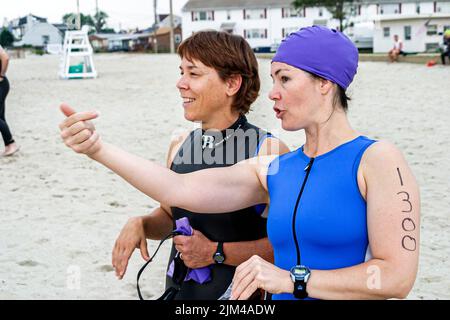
76, 48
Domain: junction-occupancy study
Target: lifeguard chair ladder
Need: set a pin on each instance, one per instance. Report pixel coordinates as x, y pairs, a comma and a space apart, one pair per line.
76, 44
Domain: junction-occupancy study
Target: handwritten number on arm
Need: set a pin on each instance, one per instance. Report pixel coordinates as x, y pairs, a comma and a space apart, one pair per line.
409, 243
406, 200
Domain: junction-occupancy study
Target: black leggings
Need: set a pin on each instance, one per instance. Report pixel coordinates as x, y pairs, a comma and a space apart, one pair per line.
6, 133
444, 54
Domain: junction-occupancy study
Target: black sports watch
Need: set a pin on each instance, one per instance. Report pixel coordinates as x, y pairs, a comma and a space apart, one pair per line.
219, 256
300, 275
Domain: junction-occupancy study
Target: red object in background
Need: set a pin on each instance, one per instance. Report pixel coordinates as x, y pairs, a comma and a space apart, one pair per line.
431, 63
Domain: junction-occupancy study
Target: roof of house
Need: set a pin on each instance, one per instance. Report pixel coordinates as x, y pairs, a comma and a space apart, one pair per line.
121, 36
228, 4
396, 1
23, 20
219, 4
164, 30
423, 17
161, 17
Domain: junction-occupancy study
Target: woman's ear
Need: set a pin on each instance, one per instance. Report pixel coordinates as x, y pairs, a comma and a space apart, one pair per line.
233, 84
325, 86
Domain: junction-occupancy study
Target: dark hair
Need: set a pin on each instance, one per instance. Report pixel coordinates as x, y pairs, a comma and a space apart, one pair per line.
229, 55
339, 97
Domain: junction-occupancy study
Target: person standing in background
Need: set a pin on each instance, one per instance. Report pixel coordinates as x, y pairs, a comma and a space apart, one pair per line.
446, 46
10, 145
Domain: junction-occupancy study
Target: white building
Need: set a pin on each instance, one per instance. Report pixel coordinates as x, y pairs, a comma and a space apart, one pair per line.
420, 25
41, 35
262, 22
22, 25
265, 22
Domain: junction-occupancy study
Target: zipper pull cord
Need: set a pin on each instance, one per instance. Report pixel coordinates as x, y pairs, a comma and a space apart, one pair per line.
294, 216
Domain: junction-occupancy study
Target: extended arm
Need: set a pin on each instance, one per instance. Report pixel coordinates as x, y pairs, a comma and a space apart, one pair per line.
227, 189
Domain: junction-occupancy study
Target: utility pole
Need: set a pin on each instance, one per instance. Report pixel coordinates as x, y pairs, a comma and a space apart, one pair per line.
155, 27
97, 18
172, 44
78, 16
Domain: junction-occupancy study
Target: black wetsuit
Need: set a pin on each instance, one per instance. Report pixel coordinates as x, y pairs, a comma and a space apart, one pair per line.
243, 225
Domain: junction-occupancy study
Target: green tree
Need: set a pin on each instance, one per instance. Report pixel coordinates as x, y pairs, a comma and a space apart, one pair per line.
100, 20
6, 38
71, 20
338, 8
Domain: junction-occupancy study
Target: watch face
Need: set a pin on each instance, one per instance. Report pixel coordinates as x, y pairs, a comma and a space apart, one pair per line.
300, 273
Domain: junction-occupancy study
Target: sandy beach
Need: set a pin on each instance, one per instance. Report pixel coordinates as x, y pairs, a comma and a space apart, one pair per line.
60, 212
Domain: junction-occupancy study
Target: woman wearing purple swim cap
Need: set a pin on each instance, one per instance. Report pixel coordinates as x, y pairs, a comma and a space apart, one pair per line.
343, 209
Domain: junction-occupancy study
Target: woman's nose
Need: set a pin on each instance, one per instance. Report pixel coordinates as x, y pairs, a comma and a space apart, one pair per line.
182, 83
274, 94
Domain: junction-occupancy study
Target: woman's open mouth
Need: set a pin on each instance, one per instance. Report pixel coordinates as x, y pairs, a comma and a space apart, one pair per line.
278, 112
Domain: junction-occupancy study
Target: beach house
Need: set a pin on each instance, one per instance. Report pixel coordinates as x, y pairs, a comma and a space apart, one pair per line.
420, 25
36, 31
370, 23
264, 23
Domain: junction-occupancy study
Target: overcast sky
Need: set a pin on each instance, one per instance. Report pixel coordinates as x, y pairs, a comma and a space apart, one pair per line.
127, 13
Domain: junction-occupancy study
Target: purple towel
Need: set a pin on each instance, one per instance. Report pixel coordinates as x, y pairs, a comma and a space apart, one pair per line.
200, 275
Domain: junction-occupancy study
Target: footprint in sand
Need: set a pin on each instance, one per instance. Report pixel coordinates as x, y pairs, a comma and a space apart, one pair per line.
116, 204
42, 241
106, 268
28, 263
131, 288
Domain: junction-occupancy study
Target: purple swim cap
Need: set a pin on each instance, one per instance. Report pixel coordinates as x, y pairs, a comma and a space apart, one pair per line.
324, 52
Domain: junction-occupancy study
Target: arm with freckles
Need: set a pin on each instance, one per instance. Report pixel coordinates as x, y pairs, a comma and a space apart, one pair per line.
226, 189
393, 222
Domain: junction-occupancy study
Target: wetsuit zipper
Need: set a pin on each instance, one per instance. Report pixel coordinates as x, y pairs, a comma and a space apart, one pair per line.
308, 170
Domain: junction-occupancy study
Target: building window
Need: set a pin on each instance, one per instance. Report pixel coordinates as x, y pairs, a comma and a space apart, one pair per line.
320, 12
431, 47
431, 29
407, 32
255, 14
45, 40
291, 13
177, 38
418, 8
228, 15
288, 31
355, 10
255, 34
386, 32
443, 7
202, 15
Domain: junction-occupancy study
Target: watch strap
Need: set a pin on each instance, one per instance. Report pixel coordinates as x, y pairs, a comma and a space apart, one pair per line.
300, 289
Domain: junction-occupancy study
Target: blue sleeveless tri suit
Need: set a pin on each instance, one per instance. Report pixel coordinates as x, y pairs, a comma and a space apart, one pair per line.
330, 223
